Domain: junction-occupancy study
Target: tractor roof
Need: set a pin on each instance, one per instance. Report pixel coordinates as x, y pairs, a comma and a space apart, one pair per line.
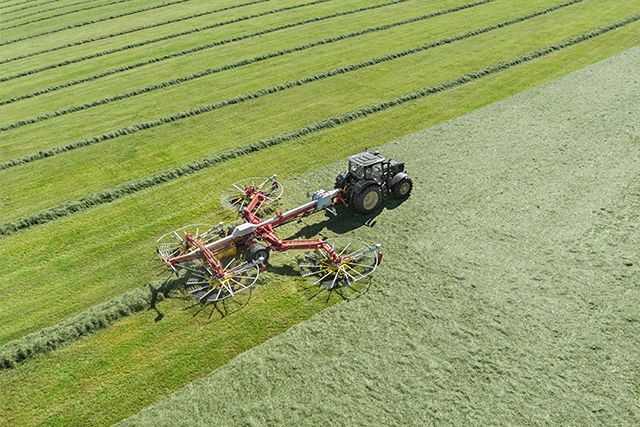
366, 158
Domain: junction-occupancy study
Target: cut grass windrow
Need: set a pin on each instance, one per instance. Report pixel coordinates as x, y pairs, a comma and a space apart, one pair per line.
93, 21
264, 57
130, 30
196, 49
45, 18
87, 322
190, 168
159, 39
6, 6
15, 18
68, 12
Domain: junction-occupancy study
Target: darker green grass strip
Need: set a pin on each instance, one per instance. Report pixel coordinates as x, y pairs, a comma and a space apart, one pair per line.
94, 21
89, 321
191, 168
68, 12
37, 12
264, 57
130, 30
196, 49
158, 39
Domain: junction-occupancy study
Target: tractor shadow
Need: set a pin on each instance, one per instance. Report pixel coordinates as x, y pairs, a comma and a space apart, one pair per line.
345, 221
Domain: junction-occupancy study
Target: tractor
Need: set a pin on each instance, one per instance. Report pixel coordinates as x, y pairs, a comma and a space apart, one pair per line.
218, 262
370, 179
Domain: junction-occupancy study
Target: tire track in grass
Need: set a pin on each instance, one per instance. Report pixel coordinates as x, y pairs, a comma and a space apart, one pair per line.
158, 39
193, 167
69, 12
197, 49
264, 57
129, 31
93, 21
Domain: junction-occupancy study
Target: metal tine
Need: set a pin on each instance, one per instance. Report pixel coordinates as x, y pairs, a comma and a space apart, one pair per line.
193, 291
345, 248
333, 284
313, 273
309, 265
322, 278
347, 276
312, 258
206, 294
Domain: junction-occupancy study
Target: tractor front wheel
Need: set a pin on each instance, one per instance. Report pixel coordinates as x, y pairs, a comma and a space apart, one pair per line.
368, 200
402, 189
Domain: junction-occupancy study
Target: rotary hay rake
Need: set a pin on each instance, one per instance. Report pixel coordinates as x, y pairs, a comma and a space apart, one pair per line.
220, 263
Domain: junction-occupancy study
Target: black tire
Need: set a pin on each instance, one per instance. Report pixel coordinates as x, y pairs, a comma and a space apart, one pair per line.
367, 200
257, 251
403, 188
340, 180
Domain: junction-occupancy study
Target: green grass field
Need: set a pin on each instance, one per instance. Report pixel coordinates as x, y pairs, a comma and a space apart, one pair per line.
243, 72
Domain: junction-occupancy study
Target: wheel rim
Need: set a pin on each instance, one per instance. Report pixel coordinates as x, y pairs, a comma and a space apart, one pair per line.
404, 188
370, 200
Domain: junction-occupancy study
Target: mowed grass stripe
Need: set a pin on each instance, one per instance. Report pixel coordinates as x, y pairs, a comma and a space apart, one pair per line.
159, 39
6, 6
283, 52
198, 49
115, 193
93, 21
37, 12
57, 15
131, 30
196, 111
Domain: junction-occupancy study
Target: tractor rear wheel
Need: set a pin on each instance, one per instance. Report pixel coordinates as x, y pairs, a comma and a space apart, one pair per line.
367, 200
402, 189
257, 252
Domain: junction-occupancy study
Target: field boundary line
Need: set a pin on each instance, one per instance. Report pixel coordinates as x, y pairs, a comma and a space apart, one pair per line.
69, 12
158, 39
109, 195
86, 322
264, 57
129, 31
194, 50
94, 21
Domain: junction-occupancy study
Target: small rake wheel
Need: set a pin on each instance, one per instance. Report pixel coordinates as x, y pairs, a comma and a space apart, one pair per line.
174, 244
207, 288
242, 192
358, 261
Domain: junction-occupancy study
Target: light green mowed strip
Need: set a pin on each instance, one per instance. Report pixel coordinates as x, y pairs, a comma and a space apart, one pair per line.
463, 282
107, 62
158, 149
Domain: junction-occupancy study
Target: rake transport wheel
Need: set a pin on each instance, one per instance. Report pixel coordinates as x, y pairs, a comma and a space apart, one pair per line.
173, 243
207, 288
242, 192
358, 262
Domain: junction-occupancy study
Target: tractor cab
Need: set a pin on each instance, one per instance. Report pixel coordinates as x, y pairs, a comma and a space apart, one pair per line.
370, 179
367, 166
